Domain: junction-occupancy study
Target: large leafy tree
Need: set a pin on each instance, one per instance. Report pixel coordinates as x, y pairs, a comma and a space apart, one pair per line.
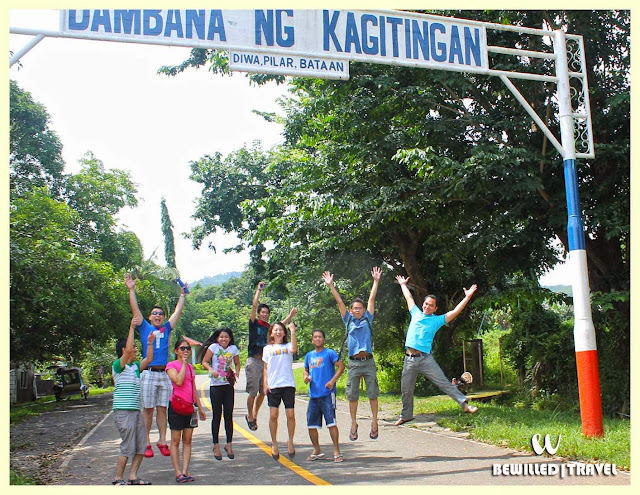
440, 175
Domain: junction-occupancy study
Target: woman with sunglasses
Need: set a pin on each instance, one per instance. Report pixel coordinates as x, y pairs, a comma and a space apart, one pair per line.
279, 384
182, 378
220, 358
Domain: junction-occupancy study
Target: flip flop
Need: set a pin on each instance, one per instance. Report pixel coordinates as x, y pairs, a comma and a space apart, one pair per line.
338, 458
353, 435
373, 435
253, 425
315, 457
402, 421
182, 478
138, 481
229, 454
118, 482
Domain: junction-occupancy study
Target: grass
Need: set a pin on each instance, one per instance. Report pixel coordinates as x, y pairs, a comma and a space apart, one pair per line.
17, 479
513, 427
25, 410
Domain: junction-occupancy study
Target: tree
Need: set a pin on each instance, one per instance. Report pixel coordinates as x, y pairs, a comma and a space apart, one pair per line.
62, 297
35, 157
167, 232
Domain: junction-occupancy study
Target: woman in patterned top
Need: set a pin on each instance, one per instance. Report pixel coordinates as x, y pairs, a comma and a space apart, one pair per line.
221, 353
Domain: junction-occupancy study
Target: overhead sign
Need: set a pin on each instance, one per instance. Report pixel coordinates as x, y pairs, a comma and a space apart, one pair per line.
387, 37
295, 65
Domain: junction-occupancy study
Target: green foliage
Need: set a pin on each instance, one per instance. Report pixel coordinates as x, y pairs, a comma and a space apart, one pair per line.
167, 232
19, 479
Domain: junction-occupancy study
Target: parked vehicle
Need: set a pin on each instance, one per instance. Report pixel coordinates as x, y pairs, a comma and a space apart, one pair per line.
69, 383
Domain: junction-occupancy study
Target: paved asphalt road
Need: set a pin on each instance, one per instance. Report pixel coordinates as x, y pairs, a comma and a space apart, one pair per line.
400, 456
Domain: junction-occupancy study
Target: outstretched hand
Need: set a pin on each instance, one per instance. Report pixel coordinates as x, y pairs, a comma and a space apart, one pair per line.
129, 281
136, 320
402, 280
376, 273
327, 277
469, 292
151, 338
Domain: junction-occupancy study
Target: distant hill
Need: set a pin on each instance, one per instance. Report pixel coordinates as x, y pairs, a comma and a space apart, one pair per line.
216, 279
565, 289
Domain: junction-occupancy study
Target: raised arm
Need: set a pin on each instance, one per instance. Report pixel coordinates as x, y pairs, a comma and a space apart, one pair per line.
256, 300
288, 319
294, 342
145, 362
468, 293
376, 273
133, 300
402, 281
173, 319
129, 349
328, 279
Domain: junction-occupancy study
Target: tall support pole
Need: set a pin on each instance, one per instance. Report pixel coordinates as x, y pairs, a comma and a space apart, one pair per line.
584, 333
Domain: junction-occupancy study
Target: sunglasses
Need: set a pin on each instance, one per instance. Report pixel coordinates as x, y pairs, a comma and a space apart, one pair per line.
184, 348
155, 313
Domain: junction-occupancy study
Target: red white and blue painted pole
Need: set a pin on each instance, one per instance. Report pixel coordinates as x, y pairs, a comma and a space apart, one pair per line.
584, 333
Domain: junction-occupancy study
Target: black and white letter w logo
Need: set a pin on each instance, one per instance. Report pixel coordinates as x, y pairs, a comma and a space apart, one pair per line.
535, 443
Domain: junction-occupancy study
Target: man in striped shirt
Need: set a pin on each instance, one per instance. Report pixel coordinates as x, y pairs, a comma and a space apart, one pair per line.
126, 405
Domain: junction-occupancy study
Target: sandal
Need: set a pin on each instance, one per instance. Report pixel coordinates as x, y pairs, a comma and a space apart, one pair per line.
468, 408
138, 481
315, 457
118, 482
229, 453
402, 421
181, 478
338, 458
164, 449
253, 425
373, 435
353, 435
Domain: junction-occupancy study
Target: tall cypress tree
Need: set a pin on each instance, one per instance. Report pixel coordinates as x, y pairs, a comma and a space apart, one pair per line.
167, 232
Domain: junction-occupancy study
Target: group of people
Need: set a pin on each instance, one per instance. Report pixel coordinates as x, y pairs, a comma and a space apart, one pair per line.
168, 387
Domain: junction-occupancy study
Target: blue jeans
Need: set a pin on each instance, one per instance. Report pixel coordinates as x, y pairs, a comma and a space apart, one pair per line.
426, 365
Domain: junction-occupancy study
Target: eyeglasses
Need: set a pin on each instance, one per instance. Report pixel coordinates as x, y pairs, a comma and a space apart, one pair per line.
155, 313
184, 348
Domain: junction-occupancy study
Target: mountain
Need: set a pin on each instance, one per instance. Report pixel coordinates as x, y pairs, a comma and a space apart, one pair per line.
216, 279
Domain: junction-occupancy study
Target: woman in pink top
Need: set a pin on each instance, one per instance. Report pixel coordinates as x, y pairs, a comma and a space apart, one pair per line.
183, 380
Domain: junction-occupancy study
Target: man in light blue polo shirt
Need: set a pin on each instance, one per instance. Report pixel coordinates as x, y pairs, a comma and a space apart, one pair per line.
418, 359
358, 322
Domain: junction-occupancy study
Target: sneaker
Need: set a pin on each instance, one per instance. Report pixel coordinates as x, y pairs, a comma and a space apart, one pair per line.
148, 452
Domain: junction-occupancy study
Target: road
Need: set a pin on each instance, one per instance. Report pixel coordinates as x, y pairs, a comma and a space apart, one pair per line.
401, 455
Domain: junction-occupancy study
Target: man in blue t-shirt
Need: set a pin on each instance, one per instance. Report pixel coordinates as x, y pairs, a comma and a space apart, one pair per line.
320, 373
155, 384
360, 346
418, 358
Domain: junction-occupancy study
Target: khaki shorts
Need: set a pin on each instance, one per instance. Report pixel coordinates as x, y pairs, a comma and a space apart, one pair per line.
132, 432
254, 370
357, 370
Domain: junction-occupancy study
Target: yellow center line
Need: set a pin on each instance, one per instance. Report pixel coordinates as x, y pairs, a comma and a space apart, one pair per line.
300, 471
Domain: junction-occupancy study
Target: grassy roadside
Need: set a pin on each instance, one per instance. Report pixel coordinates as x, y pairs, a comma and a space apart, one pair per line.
21, 412
513, 427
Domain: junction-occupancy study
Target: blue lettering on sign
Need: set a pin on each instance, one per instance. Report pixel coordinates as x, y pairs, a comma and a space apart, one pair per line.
147, 17
438, 50
351, 36
264, 26
101, 18
395, 22
329, 30
216, 26
456, 47
76, 25
173, 25
124, 20
420, 40
195, 19
369, 43
472, 46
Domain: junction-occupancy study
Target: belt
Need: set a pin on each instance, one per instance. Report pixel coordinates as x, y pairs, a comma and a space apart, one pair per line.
416, 355
364, 358
156, 368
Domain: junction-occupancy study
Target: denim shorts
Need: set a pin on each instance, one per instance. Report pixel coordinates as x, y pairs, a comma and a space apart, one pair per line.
319, 407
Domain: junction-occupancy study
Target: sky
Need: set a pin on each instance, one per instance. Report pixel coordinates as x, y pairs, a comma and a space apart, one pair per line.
107, 98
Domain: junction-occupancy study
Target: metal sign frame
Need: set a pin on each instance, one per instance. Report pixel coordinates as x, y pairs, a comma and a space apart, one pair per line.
565, 52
